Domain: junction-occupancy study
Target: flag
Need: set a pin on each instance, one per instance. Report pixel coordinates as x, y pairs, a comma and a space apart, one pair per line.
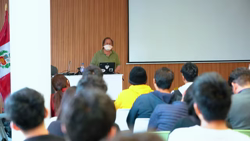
5, 58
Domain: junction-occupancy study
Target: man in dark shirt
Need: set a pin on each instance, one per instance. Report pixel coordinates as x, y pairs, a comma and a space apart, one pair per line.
25, 108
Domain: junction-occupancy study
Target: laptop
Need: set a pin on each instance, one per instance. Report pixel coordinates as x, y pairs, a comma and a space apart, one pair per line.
107, 68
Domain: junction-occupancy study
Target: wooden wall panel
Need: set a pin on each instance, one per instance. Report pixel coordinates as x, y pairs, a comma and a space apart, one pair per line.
79, 26
2, 11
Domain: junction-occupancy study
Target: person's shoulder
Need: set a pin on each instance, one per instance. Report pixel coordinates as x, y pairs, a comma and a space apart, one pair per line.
46, 138
237, 135
182, 133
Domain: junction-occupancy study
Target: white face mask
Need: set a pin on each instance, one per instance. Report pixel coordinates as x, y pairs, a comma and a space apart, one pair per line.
108, 47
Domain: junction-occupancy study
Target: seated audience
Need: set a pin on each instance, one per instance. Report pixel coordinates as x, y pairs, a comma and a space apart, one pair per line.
125, 136
238, 118
137, 79
165, 116
145, 104
25, 108
60, 84
92, 82
212, 100
234, 75
92, 70
89, 116
189, 72
55, 126
192, 119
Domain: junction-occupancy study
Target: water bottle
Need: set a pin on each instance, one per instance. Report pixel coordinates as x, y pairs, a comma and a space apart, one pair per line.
82, 68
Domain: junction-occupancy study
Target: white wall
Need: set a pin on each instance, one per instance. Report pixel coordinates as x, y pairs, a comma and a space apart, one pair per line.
189, 30
30, 47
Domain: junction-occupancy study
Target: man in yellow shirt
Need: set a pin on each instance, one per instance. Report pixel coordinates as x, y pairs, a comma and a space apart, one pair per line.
137, 79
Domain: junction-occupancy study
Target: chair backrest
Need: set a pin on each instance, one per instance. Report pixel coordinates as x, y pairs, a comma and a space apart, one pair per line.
246, 132
48, 121
163, 134
141, 125
121, 119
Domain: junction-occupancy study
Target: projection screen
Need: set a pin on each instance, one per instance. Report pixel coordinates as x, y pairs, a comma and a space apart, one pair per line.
189, 30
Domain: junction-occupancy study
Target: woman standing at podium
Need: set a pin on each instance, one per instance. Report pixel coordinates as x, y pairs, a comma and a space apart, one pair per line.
106, 54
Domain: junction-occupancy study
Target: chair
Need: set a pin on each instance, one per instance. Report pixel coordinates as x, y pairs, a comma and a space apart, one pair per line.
163, 134
246, 132
48, 121
141, 125
121, 119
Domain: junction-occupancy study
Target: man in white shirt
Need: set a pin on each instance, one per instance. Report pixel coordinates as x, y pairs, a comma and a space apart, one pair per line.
212, 100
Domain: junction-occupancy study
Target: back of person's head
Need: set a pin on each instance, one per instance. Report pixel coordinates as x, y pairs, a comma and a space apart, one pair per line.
189, 71
189, 100
163, 78
92, 70
235, 74
127, 136
60, 84
242, 77
67, 96
212, 96
92, 82
89, 116
25, 108
137, 76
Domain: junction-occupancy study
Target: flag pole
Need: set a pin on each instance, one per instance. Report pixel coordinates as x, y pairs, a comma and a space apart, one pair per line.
6, 7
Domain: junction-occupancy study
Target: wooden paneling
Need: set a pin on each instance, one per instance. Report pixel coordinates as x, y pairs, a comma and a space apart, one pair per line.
79, 26
2, 11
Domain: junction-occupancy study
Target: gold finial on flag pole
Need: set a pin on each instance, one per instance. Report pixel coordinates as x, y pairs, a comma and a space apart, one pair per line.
6, 7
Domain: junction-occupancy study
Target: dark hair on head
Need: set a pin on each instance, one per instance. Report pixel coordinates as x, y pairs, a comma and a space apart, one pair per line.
103, 42
188, 98
25, 108
67, 96
164, 78
189, 71
92, 82
89, 116
240, 76
212, 95
92, 70
127, 136
59, 82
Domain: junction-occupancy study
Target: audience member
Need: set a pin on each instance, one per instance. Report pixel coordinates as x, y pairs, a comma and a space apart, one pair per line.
89, 116
92, 82
212, 100
25, 108
137, 79
125, 136
55, 126
165, 116
92, 70
192, 119
235, 74
238, 118
145, 104
60, 84
189, 72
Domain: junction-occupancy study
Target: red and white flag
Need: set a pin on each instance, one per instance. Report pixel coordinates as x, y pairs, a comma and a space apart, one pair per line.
5, 59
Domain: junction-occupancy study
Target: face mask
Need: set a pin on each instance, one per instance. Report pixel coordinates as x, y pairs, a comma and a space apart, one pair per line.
108, 47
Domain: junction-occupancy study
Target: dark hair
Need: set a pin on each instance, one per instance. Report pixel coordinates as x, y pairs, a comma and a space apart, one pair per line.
164, 78
127, 136
92, 70
240, 76
89, 115
103, 41
189, 71
212, 95
92, 82
188, 98
67, 96
25, 108
59, 82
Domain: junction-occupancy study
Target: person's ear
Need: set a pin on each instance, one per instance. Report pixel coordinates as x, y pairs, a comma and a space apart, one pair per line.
112, 133
183, 78
68, 83
46, 113
155, 84
234, 87
14, 126
63, 128
197, 111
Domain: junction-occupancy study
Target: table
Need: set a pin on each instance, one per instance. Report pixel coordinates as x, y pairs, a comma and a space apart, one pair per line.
113, 81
